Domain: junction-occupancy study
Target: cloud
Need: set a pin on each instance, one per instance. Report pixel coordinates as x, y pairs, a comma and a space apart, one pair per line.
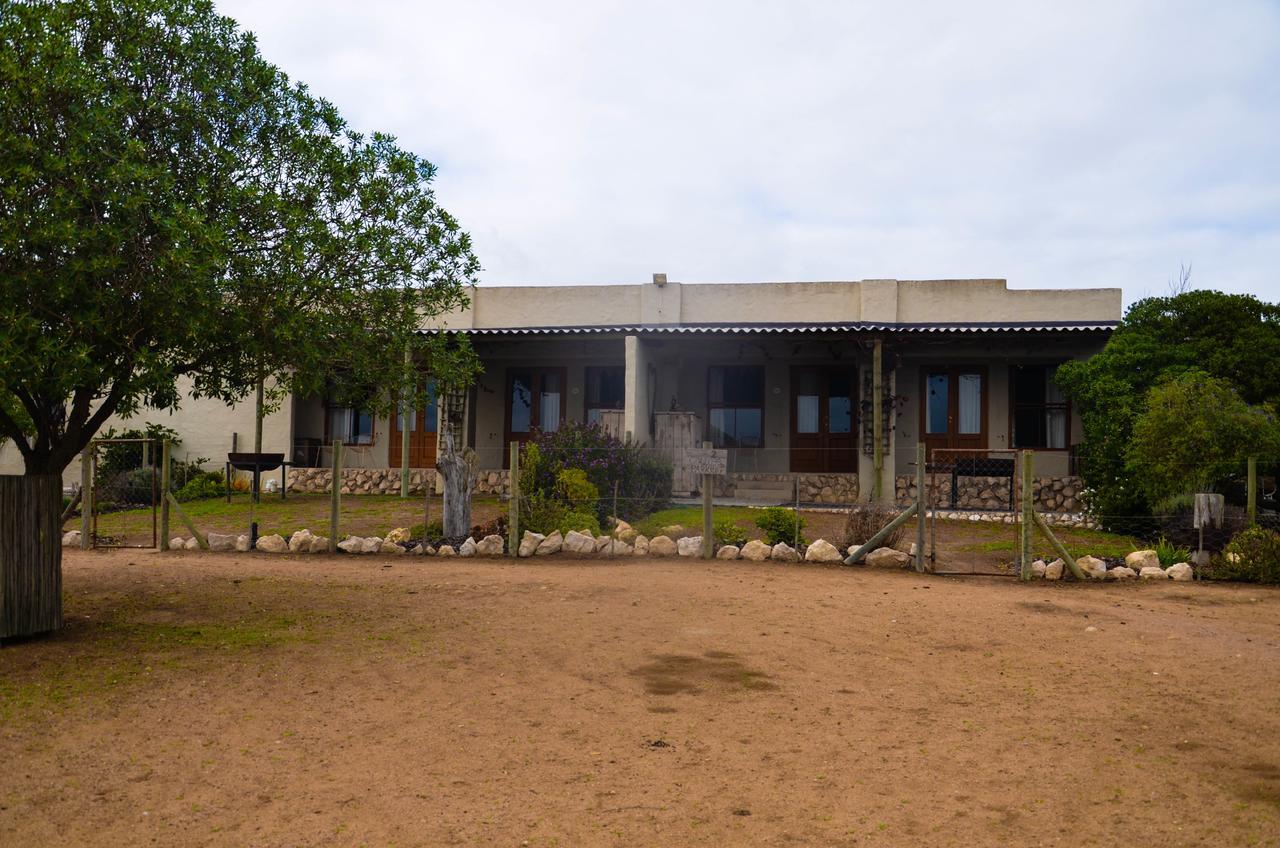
1082, 144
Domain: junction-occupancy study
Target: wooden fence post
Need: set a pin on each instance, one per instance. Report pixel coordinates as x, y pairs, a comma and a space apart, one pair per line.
30, 554
1251, 510
335, 495
1028, 516
877, 420
708, 540
86, 497
513, 505
166, 469
920, 502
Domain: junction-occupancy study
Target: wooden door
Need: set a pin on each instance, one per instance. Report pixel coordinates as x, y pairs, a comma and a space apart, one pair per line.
535, 401
422, 425
823, 438
953, 409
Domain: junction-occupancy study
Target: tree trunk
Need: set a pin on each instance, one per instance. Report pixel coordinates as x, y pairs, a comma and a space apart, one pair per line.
30, 554
457, 481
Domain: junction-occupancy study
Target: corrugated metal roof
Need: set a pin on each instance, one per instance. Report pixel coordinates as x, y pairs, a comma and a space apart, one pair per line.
766, 327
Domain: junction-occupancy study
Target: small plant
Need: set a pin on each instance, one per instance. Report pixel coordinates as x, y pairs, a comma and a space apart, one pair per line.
727, 532
1252, 556
575, 490
1170, 554
206, 484
781, 525
863, 522
579, 520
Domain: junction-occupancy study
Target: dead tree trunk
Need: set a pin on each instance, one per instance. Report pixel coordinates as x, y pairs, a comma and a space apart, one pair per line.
30, 554
455, 470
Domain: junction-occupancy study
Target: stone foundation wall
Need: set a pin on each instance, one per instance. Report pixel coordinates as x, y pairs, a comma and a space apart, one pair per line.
386, 481
814, 488
1050, 494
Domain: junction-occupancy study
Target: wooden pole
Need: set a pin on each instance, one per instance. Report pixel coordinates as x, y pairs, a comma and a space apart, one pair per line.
166, 469
616, 520
920, 506
1028, 516
1058, 547
708, 541
933, 523
30, 554
404, 429
195, 532
877, 420
874, 542
795, 541
335, 495
1251, 510
86, 497
513, 505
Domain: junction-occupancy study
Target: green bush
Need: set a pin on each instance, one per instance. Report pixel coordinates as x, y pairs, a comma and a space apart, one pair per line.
206, 484
579, 521
727, 532
1252, 556
575, 490
1170, 554
540, 513
779, 525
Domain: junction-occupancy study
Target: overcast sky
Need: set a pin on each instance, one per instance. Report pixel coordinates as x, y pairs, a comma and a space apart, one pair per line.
1053, 144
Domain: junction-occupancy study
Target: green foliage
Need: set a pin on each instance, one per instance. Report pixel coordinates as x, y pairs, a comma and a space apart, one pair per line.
1231, 337
579, 520
1252, 556
205, 484
541, 513
1169, 553
728, 532
576, 491
175, 207
779, 525
1194, 434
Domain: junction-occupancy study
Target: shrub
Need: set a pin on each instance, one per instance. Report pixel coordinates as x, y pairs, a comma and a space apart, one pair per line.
863, 522
206, 484
579, 521
727, 532
540, 513
780, 525
1252, 556
575, 490
1170, 554
496, 527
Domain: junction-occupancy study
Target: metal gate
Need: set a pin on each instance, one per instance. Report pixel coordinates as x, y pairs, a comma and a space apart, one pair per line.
125, 480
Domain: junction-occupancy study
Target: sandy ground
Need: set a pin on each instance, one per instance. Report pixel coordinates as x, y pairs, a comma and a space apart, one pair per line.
203, 699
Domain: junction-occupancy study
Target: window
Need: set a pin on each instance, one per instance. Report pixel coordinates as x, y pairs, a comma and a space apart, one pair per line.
606, 389
535, 401
352, 426
408, 418
1040, 412
735, 406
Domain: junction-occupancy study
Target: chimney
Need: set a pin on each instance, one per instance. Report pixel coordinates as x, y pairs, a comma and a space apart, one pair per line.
659, 280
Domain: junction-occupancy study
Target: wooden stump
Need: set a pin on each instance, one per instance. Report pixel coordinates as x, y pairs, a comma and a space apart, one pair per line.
30, 554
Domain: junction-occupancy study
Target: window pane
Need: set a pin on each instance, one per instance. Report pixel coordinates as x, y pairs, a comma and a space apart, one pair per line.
839, 415
340, 423
606, 387
747, 427
720, 418
364, 428
807, 413
1056, 428
1028, 384
715, 385
939, 403
430, 412
521, 403
970, 397
593, 416
549, 404
743, 385
1028, 427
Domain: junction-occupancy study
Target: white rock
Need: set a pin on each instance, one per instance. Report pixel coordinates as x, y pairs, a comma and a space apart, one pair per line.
418, 550
1139, 560
446, 551
71, 538
390, 548
319, 545
177, 543
1180, 571
300, 541
1038, 567
1121, 572
822, 551
782, 552
242, 542
662, 546
1092, 567
550, 545
352, 545
1053, 571
625, 532
887, 558
491, 545
602, 543
578, 543
755, 550
911, 552
467, 548
1153, 572
728, 552
221, 542
529, 543
273, 544
398, 536
641, 546
689, 546
371, 545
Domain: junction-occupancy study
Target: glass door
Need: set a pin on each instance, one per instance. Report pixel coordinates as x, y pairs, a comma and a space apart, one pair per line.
822, 424
953, 409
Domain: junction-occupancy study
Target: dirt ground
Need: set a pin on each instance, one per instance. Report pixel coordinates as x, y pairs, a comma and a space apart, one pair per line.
206, 699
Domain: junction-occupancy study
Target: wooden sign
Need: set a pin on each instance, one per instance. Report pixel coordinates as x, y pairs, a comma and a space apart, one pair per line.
1209, 510
706, 461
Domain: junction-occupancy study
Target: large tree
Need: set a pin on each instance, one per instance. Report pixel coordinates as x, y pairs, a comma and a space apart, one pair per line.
172, 207
1232, 337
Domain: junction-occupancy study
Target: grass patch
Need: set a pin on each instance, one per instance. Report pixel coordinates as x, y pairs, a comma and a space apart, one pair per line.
1079, 542
690, 517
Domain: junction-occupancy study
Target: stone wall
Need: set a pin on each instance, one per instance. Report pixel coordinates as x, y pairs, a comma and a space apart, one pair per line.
1050, 494
814, 488
386, 481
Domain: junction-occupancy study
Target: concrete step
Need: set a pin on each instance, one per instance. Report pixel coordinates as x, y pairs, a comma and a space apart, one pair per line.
764, 494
